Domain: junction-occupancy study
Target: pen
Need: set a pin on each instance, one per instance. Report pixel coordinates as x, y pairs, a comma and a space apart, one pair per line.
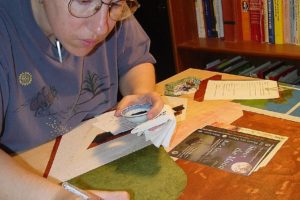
59, 50
79, 192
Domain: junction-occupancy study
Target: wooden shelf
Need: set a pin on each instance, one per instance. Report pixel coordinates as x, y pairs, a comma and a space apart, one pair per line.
284, 51
190, 51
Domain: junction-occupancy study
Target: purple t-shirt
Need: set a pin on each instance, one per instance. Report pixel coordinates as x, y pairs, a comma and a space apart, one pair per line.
41, 98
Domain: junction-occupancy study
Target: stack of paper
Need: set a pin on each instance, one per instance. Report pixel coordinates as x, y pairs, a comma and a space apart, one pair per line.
160, 129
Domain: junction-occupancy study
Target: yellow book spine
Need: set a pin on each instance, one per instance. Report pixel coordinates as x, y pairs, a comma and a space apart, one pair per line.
278, 21
297, 23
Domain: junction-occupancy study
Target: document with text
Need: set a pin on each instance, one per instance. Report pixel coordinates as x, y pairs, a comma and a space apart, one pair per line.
241, 89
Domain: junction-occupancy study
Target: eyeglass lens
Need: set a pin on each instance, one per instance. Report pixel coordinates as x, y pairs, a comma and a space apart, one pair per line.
118, 10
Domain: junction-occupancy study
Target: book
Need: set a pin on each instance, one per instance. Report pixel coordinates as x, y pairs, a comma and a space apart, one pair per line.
232, 68
292, 21
254, 72
278, 21
217, 4
243, 66
229, 150
271, 28
262, 73
286, 11
212, 63
210, 18
297, 22
247, 71
245, 19
281, 71
266, 20
238, 29
290, 77
200, 19
229, 20
227, 63
256, 20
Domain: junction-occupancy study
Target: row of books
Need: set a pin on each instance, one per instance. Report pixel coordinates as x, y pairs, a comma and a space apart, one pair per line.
277, 70
272, 21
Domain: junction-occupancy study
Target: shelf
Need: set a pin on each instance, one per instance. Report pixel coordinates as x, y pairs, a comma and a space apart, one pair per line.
216, 45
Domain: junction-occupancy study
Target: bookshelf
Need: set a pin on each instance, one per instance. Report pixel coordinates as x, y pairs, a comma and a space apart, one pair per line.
191, 51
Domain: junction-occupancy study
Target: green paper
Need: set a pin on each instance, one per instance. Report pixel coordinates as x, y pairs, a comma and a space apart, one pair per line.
146, 174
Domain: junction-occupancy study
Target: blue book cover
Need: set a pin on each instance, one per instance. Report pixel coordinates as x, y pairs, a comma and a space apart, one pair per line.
210, 19
271, 22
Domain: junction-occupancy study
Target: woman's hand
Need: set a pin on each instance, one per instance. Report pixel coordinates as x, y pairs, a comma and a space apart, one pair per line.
152, 97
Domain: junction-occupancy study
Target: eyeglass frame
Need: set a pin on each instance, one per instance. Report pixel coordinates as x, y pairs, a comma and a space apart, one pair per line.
110, 5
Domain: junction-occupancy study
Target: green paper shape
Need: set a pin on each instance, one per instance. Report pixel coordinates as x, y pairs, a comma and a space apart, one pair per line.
149, 173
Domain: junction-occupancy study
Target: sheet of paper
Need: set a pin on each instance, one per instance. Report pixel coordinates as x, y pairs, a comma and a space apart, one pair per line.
253, 89
110, 123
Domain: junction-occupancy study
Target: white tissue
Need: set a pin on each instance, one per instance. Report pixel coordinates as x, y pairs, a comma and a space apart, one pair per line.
160, 129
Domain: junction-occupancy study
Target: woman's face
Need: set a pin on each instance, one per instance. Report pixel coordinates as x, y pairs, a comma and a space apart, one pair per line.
78, 35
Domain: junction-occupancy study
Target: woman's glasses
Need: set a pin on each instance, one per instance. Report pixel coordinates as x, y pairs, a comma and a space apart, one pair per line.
118, 9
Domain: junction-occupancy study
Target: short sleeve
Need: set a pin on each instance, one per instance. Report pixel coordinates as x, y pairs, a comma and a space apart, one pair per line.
3, 97
133, 45
5, 50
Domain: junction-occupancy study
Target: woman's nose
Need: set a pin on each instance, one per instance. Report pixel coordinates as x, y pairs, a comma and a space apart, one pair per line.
99, 22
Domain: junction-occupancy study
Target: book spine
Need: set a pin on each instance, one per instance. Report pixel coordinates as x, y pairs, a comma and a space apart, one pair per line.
210, 18
286, 23
200, 19
276, 77
262, 73
219, 17
292, 21
266, 21
290, 77
238, 29
297, 22
213, 63
241, 68
227, 63
235, 66
278, 21
271, 28
228, 20
247, 71
254, 73
245, 19
256, 20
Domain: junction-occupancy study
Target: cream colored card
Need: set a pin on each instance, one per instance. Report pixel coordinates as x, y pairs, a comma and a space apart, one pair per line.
253, 89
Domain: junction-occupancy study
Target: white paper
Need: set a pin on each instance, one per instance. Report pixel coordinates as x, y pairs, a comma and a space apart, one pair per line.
110, 123
253, 89
160, 129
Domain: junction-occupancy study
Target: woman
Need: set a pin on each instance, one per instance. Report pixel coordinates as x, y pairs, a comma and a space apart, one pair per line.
61, 62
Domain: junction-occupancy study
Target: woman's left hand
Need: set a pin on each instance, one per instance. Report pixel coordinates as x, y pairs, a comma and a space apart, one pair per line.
152, 97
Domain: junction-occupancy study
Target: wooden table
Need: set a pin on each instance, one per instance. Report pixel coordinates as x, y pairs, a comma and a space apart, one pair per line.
280, 179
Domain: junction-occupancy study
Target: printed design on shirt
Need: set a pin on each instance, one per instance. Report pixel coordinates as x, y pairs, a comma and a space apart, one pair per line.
45, 103
40, 104
56, 126
25, 78
92, 86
